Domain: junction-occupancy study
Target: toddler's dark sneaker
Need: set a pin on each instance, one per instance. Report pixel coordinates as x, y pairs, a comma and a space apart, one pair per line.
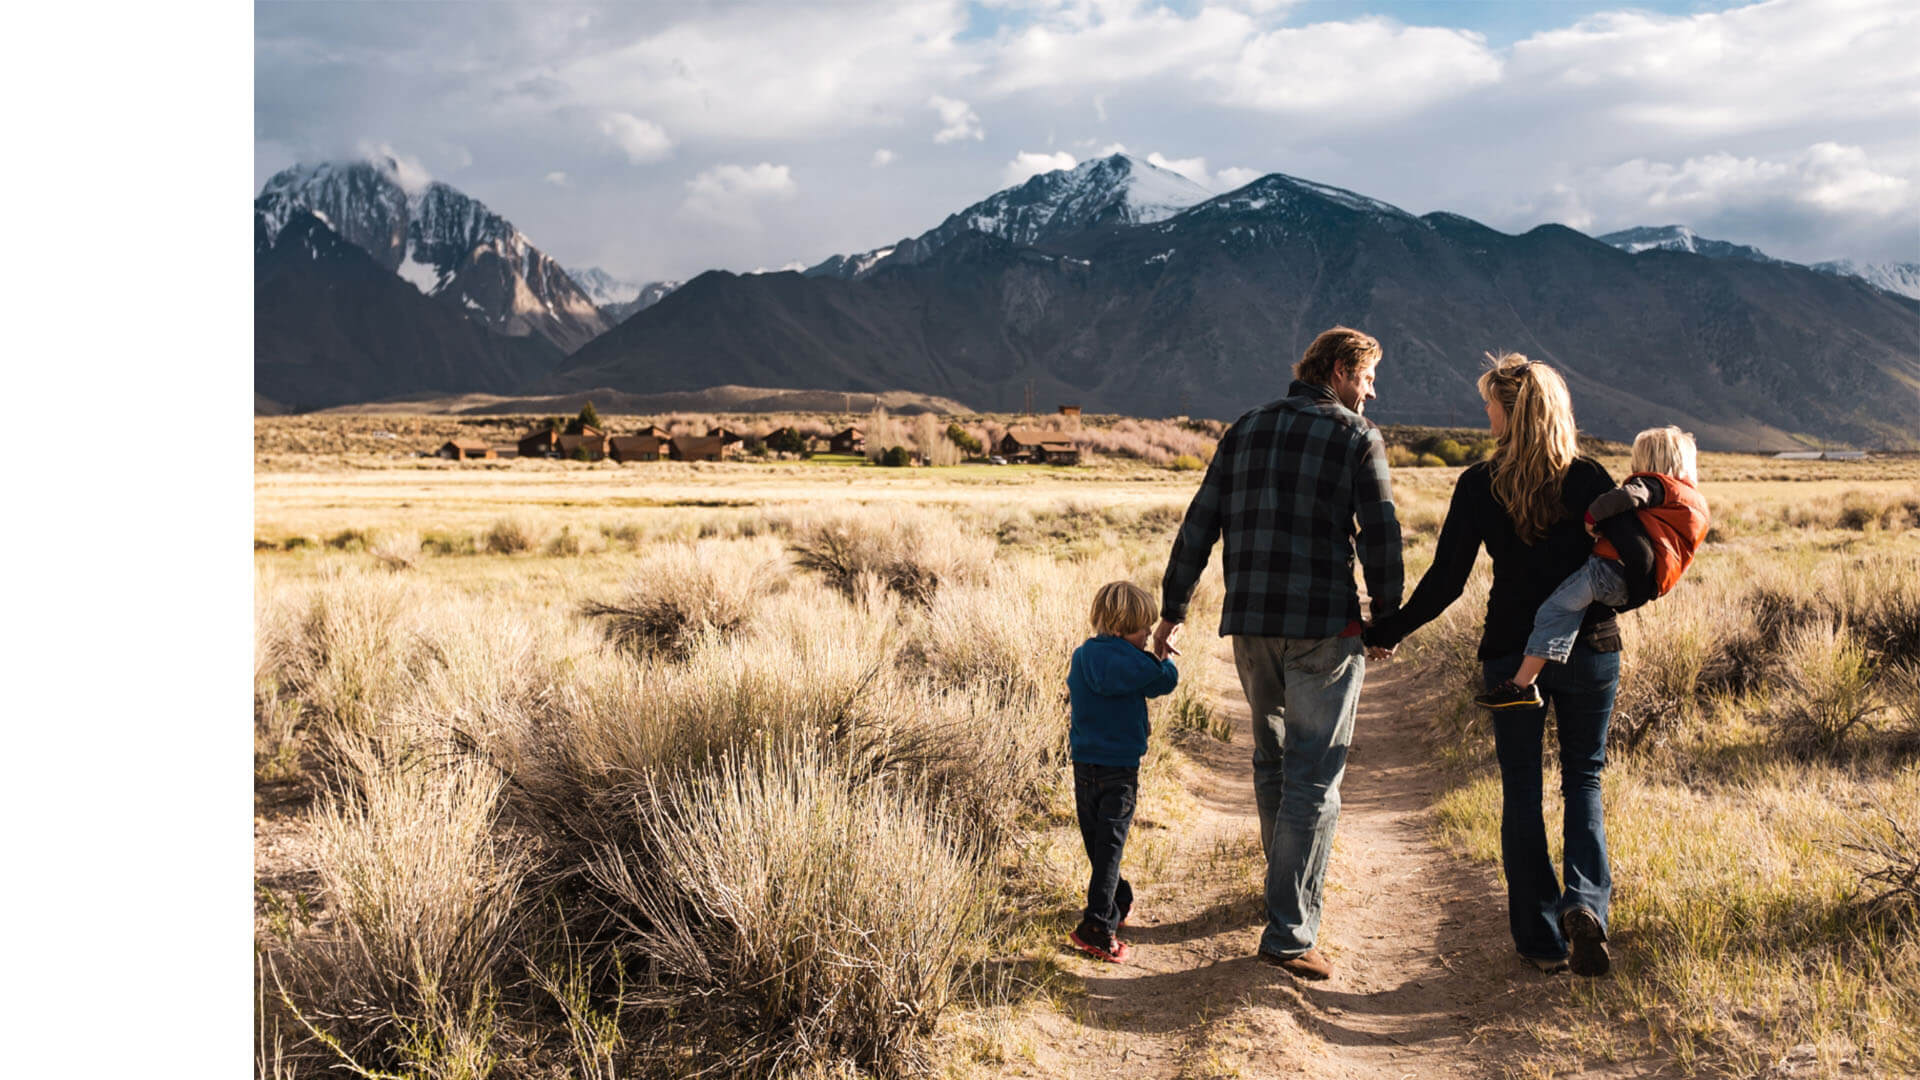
1509, 696
1101, 946
1587, 940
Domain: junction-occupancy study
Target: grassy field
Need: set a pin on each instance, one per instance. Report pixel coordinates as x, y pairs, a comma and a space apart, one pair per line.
591, 770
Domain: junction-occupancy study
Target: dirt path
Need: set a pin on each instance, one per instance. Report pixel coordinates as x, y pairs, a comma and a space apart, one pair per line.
1424, 968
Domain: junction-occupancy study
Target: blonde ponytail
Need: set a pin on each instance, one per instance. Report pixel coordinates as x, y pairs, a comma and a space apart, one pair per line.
1531, 459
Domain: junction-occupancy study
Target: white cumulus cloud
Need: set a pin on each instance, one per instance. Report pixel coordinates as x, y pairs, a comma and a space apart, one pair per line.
957, 120
641, 140
1193, 168
408, 172
1028, 164
1367, 69
557, 178
1234, 177
732, 194
882, 158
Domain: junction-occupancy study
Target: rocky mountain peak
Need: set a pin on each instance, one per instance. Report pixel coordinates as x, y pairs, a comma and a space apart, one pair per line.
447, 244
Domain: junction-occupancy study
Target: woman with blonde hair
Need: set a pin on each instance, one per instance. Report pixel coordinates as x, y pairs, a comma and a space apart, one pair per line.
1526, 505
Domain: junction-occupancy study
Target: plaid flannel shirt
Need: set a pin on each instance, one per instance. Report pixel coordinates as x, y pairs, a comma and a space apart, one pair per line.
1287, 485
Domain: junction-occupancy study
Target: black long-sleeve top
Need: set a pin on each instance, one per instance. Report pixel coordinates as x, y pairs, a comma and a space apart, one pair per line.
1524, 575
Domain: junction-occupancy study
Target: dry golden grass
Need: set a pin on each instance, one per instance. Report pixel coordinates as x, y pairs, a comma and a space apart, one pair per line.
531, 758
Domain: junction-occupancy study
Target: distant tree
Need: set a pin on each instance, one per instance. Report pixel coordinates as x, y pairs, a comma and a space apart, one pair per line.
964, 439
580, 454
895, 457
787, 441
589, 416
557, 423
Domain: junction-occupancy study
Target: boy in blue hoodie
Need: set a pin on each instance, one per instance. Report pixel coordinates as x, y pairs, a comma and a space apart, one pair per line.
1108, 684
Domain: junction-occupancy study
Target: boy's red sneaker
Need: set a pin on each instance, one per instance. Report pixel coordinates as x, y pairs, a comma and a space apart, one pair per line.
1118, 954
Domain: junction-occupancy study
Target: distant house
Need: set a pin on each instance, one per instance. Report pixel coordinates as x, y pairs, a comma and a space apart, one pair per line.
1821, 455
638, 448
697, 448
1069, 410
593, 446
1037, 447
542, 441
726, 435
850, 441
465, 450
655, 431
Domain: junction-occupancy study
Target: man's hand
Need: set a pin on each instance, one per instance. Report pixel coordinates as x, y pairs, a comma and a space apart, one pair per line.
1375, 652
1164, 634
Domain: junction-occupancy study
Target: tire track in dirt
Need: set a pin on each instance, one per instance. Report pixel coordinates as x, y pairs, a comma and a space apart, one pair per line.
1425, 979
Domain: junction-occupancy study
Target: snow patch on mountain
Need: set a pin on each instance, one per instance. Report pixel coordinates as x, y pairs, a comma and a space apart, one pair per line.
603, 288
1902, 278
1115, 190
1680, 238
1283, 197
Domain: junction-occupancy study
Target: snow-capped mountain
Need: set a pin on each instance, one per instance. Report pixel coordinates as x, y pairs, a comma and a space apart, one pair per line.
448, 245
619, 299
1680, 238
1902, 278
1115, 190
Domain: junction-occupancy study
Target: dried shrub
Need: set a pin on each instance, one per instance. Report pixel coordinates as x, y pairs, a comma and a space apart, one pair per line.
796, 915
509, 536
681, 592
1826, 688
907, 555
1884, 848
421, 892
1900, 689
397, 551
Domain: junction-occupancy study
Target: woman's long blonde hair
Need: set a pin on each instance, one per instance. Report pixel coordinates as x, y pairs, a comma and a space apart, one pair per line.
1532, 456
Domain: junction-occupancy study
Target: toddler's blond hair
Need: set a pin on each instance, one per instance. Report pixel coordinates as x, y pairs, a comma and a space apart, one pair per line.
1121, 608
1666, 450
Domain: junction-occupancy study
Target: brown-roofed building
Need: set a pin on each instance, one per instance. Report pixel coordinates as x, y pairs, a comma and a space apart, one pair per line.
850, 441
542, 441
1069, 410
1038, 447
697, 448
465, 450
638, 448
655, 431
593, 447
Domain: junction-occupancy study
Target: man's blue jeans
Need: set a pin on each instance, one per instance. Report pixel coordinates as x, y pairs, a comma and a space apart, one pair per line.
1580, 692
1303, 693
1557, 624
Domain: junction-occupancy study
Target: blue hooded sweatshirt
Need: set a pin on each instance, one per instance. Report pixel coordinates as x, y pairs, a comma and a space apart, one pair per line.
1108, 684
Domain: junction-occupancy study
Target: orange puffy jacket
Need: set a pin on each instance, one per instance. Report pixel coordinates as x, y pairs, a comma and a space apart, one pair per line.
1676, 526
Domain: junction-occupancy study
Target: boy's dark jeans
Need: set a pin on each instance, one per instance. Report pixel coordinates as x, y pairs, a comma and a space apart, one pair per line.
1103, 797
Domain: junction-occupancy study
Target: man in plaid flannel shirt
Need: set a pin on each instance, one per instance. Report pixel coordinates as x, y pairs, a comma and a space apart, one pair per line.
1288, 483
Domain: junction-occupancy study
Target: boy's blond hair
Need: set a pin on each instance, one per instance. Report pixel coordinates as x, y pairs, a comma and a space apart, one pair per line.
1121, 608
1667, 450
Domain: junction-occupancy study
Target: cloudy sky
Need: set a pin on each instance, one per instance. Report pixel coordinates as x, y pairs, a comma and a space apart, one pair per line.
660, 139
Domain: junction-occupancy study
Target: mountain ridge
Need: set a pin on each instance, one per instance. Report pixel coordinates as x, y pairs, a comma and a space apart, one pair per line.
1202, 311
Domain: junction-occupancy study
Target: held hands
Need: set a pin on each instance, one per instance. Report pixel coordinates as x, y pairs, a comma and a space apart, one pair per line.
1164, 633
1375, 652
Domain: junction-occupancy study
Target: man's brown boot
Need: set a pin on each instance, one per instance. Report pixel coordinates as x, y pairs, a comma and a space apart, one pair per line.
1311, 964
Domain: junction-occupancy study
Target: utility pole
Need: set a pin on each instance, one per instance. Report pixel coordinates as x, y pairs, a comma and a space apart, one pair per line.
1029, 397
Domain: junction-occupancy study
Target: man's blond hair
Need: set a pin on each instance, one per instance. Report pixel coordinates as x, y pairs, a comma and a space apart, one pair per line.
1121, 608
1668, 451
1341, 349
